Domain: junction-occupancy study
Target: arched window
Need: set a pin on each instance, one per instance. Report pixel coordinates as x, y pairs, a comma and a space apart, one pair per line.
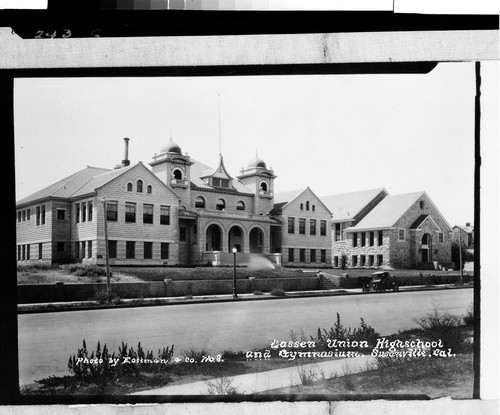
199, 202
139, 186
263, 186
150, 189
240, 205
301, 206
314, 208
220, 205
129, 187
177, 174
422, 204
307, 205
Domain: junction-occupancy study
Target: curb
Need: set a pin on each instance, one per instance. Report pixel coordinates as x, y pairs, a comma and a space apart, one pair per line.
171, 301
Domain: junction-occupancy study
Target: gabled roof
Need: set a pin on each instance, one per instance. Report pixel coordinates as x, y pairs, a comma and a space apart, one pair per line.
100, 180
421, 219
199, 170
282, 199
387, 212
346, 206
66, 187
466, 229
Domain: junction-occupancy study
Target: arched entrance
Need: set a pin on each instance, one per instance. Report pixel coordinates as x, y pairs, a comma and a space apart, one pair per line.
426, 248
235, 239
214, 238
256, 241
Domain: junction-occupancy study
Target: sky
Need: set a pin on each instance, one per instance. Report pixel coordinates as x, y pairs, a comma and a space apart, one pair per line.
333, 133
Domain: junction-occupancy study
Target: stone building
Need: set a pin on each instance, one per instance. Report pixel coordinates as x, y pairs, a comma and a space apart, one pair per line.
401, 231
305, 232
465, 234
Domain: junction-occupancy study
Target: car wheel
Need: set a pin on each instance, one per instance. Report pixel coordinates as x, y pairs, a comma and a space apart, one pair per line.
366, 289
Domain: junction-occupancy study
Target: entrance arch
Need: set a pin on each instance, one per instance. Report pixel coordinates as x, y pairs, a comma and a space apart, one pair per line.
426, 248
214, 238
235, 238
256, 241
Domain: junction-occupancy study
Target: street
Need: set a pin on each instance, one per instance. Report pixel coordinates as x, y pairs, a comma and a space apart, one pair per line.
47, 340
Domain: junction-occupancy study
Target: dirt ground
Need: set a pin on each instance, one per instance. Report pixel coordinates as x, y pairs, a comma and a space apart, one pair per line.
50, 276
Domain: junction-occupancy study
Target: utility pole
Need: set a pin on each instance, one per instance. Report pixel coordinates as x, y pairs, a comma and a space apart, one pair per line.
460, 251
108, 279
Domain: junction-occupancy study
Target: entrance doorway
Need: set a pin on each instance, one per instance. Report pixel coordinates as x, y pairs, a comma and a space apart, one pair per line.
235, 239
426, 248
214, 238
256, 241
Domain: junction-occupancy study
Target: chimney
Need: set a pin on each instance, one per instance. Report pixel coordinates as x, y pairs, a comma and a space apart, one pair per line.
126, 161
467, 224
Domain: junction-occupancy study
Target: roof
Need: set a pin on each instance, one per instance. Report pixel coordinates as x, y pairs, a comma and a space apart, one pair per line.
388, 211
66, 187
101, 180
346, 206
283, 198
419, 221
466, 229
199, 170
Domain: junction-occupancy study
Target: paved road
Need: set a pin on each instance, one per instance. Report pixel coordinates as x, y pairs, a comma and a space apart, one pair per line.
47, 340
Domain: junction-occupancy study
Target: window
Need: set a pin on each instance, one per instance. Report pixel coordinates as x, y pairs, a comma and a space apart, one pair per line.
354, 261
323, 255
240, 205
77, 249
313, 255
112, 211
301, 206
28, 214
90, 211
77, 212
139, 186
60, 214
362, 260
148, 250
291, 225
43, 214
422, 204
164, 215
40, 250
302, 255
355, 239
150, 189
380, 259
112, 249
164, 250
312, 227
24, 215
19, 252
363, 239
263, 186
336, 261
199, 203
338, 232
380, 238
24, 252
130, 212
130, 249
60, 247
291, 256
401, 234
322, 228
28, 252
302, 226
129, 187
84, 212
147, 214
440, 237
370, 260
90, 249
182, 234
372, 238
83, 249
220, 205
307, 205
314, 208
177, 174
19, 216
37, 215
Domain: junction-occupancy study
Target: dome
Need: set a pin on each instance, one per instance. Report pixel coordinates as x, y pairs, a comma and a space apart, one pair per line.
171, 147
257, 162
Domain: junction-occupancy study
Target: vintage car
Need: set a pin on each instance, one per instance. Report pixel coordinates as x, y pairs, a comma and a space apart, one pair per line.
381, 281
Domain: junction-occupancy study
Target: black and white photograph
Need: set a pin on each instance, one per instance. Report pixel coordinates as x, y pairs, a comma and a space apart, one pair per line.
266, 235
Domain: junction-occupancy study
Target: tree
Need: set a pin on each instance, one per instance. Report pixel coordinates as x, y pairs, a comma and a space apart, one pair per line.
455, 254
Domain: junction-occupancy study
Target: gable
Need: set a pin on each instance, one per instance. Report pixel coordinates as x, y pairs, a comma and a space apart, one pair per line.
293, 207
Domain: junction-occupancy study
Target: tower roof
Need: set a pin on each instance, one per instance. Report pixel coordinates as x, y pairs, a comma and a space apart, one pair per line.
171, 147
257, 162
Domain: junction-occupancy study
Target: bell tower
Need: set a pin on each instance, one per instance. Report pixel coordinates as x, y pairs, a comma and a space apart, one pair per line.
260, 179
173, 169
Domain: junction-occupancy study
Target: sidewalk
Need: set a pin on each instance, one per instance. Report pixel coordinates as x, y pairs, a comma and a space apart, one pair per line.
146, 302
273, 379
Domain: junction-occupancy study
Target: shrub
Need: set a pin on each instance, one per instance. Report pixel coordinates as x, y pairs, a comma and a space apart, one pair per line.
278, 292
194, 355
81, 270
307, 375
233, 356
445, 327
222, 386
258, 292
468, 317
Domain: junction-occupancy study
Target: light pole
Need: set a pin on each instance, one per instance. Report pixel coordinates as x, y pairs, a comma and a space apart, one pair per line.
460, 251
108, 280
234, 272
